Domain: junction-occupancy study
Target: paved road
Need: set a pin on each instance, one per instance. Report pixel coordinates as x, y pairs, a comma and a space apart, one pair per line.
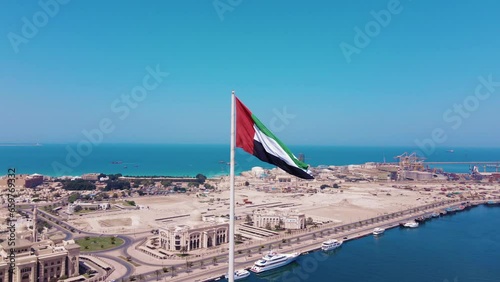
64, 227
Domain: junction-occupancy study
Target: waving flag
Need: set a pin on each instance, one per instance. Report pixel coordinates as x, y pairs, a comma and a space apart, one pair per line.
253, 137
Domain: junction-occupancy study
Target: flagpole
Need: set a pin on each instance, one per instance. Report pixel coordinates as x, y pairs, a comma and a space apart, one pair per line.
231, 185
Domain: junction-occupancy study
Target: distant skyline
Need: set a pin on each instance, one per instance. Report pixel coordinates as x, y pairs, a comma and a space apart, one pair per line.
430, 71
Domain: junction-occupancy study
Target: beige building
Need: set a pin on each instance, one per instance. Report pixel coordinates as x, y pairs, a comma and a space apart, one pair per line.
194, 234
91, 176
288, 219
41, 262
24, 260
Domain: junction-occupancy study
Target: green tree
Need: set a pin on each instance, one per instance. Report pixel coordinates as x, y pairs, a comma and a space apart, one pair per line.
310, 221
183, 250
157, 272
73, 197
324, 186
268, 226
77, 185
248, 219
172, 269
166, 183
77, 208
247, 183
117, 185
200, 178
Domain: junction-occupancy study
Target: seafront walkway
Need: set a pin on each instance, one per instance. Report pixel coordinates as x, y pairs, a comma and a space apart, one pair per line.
214, 263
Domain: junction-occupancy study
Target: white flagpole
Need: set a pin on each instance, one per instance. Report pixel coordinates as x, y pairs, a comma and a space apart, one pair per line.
231, 184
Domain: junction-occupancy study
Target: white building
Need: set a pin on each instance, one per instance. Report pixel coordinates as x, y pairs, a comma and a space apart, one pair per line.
288, 219
88, 206
194, 234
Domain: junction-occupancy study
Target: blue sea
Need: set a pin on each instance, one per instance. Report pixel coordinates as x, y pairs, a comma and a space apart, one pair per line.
464, 247
211, 160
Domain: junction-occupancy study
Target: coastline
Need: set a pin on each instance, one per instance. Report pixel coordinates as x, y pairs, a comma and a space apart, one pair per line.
211, 160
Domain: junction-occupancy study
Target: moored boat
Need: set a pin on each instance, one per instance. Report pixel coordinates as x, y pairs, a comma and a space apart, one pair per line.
240, 274
411, 224
378, 231
331, 245
273, 260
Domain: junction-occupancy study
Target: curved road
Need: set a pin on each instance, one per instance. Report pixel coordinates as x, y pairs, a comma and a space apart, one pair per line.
65, 228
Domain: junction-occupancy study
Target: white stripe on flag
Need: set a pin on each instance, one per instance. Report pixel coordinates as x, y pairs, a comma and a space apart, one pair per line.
272, 147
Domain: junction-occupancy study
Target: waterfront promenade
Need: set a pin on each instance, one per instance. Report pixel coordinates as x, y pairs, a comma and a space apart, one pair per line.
206, 267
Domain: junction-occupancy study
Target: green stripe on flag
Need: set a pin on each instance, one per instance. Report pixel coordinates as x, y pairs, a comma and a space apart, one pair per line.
268, 133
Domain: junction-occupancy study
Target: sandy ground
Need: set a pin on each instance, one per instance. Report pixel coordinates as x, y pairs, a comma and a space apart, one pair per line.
351, 203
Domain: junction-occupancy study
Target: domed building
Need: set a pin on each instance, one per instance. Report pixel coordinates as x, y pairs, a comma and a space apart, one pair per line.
194, 234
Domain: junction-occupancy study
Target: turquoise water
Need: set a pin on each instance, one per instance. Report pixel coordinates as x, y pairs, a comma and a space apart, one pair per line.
183, 160
464, 247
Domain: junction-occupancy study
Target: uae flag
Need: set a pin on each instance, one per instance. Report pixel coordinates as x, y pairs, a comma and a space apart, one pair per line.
253, 137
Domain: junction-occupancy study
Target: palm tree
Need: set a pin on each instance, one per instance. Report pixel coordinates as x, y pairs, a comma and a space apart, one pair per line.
202, 264
172, 269
214, 260
157, 272
183, 250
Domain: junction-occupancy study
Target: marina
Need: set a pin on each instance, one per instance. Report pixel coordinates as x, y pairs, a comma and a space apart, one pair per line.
351, 235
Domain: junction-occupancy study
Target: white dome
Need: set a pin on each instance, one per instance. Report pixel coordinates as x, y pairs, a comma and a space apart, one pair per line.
196, 216
257, 171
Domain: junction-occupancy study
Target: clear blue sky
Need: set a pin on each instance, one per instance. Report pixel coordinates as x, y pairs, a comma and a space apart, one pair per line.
275, 54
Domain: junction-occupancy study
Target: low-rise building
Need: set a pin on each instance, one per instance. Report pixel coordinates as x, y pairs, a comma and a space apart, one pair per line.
288, 219
195, 234
33, 180
88, 206
91, 176
42, 261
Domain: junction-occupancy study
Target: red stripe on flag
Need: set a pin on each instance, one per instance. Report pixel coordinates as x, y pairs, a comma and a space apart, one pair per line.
244, 127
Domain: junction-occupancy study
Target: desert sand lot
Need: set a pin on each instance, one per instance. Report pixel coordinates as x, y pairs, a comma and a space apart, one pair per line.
350, 203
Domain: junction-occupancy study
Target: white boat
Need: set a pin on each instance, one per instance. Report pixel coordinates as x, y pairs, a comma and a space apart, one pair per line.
331, 245
378, 231
411, 224
240, 274
273, 260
